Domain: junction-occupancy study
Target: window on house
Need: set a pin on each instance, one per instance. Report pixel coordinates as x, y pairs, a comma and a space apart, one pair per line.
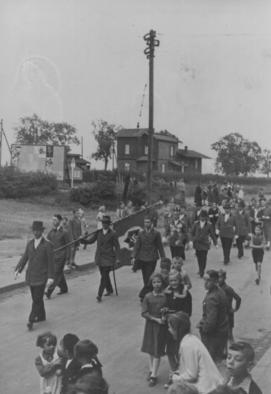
127, 149
163, 168
146, 150
196, 164
171, 151
127, 166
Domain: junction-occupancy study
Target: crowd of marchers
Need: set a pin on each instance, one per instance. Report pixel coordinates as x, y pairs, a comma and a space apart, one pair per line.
166, 296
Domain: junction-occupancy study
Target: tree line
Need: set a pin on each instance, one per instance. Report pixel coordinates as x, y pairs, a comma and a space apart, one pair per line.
236, 155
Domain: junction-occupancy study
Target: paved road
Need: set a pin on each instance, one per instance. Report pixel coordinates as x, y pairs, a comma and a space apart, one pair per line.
116, 326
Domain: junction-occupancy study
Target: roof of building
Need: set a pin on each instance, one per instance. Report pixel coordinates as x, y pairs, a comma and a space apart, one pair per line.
134, 133
191, 154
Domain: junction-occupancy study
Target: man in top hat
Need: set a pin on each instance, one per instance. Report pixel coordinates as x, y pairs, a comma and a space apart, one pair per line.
225, 228
59, 238
242, 227
39, 273
106, 256
201, 233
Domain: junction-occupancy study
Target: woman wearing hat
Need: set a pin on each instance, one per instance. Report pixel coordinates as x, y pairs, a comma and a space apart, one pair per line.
106, 256
39, 273
201, 233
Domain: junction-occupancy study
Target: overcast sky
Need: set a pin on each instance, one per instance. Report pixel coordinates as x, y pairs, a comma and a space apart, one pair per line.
82, 60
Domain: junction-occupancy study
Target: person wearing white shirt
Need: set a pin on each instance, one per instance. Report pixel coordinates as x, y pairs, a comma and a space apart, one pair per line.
196, 366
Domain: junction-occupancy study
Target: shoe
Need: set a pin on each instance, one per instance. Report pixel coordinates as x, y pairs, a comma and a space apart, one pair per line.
109, 293
29, 325
149, 376
153, 381
99, 299
169, 383
62, 292
74, 266
257, 281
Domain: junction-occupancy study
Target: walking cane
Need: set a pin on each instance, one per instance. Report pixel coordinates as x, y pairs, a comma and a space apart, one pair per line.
115, 283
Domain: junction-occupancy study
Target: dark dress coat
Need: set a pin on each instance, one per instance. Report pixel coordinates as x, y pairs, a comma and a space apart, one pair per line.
201, 236
108, 247
40, 262
148, 246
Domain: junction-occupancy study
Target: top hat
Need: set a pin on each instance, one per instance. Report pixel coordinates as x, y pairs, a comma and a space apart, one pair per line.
37, 225
106, 219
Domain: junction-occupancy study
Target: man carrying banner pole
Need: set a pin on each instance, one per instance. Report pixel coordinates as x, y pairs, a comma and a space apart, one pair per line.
106, 256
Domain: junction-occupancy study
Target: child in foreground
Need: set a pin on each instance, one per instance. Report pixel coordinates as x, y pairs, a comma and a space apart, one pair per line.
154, 340
239, 361
48, 364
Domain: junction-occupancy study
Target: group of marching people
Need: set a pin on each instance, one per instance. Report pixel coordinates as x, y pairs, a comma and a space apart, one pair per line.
232, 221
166, 297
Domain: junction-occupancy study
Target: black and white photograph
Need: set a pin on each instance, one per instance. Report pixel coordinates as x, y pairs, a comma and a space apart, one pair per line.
135, 197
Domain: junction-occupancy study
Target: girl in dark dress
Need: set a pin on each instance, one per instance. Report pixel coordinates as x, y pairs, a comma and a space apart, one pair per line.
178, 300
154, 340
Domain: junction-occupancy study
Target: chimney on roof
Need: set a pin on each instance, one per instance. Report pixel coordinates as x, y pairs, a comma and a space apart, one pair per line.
185, 149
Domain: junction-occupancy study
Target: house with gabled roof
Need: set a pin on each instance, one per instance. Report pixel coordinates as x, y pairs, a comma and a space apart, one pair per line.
133, 149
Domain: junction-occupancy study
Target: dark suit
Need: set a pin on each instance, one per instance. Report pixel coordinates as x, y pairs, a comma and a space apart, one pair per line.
40, 268
214, 323
59, 238
201, 242
148, 248
105, 257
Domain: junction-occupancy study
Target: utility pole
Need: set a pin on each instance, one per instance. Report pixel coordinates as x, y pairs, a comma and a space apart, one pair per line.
1, 139
149, 52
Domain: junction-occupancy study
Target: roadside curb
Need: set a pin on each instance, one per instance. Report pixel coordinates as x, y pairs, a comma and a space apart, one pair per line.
73, 274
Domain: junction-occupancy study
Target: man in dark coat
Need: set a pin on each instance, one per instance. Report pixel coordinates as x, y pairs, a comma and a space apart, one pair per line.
225, 228
59, 238
243, 228
214, 324
148, 248
39, 273
106, 256
201, 233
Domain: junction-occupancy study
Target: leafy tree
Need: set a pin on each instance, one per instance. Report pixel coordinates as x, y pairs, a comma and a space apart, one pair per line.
236, 155
266, 162
105, 135
34, 130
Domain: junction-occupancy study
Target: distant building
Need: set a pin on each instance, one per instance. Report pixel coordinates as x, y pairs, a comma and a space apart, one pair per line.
51, 159
133, 146
190, 160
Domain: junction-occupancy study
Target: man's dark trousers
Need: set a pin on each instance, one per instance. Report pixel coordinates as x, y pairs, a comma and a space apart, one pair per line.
60, 280
202, 259
147, 268
38, 311
215, 345
105, 282
226, 246
239, 243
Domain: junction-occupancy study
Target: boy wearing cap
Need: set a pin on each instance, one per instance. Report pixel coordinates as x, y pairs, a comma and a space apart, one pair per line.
40, 271
106, 256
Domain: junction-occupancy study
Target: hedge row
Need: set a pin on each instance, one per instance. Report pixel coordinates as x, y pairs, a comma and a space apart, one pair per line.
171, 176
16, 184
